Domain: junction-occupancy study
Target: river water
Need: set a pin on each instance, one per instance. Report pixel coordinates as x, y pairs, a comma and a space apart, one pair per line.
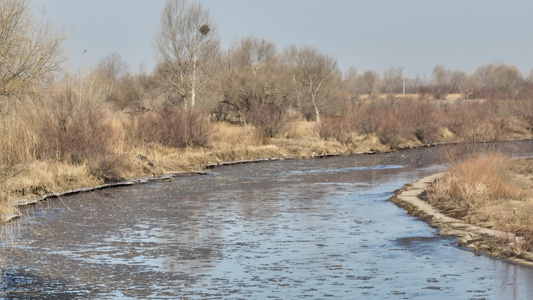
317, 229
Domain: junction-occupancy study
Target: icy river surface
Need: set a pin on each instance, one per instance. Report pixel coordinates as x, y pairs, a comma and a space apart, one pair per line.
316, 229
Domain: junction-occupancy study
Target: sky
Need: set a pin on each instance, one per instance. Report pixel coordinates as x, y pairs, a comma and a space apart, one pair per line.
416, 35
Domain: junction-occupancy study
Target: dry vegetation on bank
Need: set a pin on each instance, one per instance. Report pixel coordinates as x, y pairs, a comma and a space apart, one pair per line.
493, 191
203, 104
62, 141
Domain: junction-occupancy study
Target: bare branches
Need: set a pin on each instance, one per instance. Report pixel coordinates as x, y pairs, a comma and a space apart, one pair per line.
312, 71
188, 45
29, 51
112, 67
251, 77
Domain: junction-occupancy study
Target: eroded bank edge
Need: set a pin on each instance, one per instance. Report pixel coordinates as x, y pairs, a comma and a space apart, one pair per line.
480, 239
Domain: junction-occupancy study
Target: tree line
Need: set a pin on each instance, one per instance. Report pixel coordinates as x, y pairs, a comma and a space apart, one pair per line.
234, 84
107, 118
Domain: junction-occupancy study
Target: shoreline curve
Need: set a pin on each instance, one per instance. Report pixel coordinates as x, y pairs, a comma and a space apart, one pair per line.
480, 239
26, 202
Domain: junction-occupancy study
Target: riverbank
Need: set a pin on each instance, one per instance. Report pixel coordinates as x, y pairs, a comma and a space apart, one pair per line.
36, 181
66, 142
498, 243
230, 144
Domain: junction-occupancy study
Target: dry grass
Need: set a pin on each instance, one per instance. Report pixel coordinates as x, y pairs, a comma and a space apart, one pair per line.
38, 178
225, 134
492, 191
480, 180
17, 137
301, 130
67, 140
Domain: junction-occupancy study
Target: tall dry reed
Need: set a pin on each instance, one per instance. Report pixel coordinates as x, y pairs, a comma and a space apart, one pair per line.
476, 182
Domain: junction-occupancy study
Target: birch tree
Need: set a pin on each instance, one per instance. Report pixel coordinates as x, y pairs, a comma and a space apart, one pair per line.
188, 45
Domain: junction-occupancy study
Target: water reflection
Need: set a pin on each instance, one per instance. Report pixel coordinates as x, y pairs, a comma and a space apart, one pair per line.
291, 229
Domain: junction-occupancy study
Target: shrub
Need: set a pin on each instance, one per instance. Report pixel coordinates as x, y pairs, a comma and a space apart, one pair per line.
369, 116
174, 127
72, 130
393, 133
395, 121
421, 118
336, 127
268, 118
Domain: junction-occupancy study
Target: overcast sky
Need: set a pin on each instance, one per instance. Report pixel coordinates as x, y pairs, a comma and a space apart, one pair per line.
371, 34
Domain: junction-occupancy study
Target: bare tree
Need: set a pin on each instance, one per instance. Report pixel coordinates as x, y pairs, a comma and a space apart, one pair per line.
250, 77
30, 51
484, 76
441, 82
253, 53
392, 80
353, 83
441, 75
508, 80
498, 80
188, 46
458, 81
372, 82
312, 71
446, 81
529, 77
112, 67
109, 73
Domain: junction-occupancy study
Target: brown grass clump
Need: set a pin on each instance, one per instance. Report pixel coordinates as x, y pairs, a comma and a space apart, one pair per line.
17, 139
299, 130
225, 135
39, 178
480, 180
337, 128
492, 191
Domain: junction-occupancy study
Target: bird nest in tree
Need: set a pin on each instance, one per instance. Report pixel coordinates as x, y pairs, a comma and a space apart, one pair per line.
204, 29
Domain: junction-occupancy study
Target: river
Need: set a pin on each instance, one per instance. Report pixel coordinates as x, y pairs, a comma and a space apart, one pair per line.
316, 229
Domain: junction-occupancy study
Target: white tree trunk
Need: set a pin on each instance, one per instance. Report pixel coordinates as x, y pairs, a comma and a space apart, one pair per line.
317, 111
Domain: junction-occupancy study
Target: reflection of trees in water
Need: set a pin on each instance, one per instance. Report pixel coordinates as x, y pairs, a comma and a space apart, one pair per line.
187, 230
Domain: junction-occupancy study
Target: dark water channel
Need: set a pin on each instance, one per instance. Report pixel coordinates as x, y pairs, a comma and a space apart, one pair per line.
317, 229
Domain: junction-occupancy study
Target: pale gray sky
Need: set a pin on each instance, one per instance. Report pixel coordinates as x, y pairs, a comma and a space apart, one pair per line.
370, 34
